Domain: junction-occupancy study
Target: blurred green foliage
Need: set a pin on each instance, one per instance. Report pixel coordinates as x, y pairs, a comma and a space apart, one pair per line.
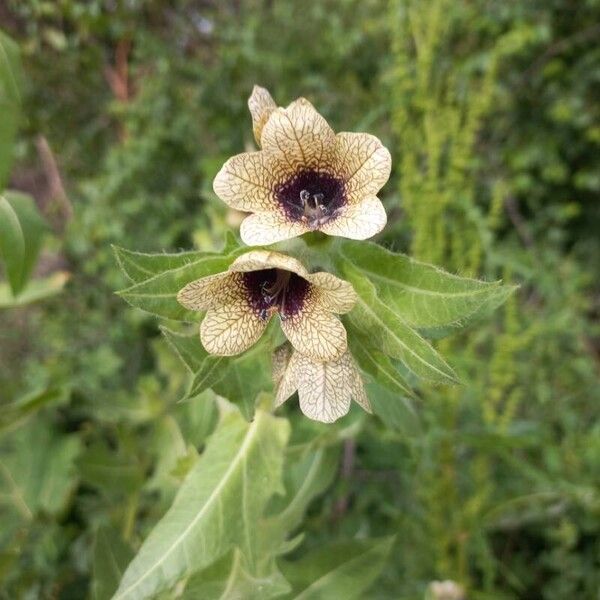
490, 111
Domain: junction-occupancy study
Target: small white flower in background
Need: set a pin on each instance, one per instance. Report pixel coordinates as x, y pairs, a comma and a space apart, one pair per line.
445, 590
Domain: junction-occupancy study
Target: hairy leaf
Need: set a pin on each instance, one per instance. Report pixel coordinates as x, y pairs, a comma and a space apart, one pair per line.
388, 333
138, 266
423, 295
158, 295
189, 349
375, 363
217, 507
239, 379
245, 378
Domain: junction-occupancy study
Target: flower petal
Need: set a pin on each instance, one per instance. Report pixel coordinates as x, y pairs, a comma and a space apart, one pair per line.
205, 293
297, 137
257, 260
283, 377
315, 332
229, 329
337, 295
363, 162
358, 221
357, 386
262, 229
261, 105
244, 183
279, 362
322, 387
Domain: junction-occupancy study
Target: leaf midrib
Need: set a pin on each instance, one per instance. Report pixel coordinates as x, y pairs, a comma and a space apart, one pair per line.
368, 309
213, 496
487, 286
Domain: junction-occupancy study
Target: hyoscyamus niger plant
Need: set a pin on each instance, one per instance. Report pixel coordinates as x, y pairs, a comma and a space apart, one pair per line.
303, 304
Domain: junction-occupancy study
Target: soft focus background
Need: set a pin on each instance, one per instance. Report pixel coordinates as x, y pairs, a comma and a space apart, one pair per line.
491, 113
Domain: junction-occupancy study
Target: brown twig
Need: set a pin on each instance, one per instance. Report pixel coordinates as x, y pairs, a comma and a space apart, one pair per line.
117, 77
56, 188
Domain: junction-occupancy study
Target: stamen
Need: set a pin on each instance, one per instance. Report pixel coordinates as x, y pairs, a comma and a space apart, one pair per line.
312, 197
275, 290
274, 294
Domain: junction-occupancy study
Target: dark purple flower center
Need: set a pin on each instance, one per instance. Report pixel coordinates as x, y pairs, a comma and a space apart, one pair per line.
271, 290
313, 197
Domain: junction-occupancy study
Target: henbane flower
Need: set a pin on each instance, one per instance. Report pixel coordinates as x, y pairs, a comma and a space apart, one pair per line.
305, 177
241, 301
325, 389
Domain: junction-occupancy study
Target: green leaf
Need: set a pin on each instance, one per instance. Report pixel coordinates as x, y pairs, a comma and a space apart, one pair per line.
217, 507
110, 470
14, 414
188, 348
423, 295
340, 570
376, 364
306, 476
393, 410
239, 379
111, 556
36, 291
138, 266
33, 227
244, 378
197, 418
12, 243
37, 470
228, 578
207, 370
10, 103
388, 333
232, 243
158, 295
21, 231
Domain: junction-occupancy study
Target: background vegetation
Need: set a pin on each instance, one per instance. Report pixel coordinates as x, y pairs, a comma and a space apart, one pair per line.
490, 111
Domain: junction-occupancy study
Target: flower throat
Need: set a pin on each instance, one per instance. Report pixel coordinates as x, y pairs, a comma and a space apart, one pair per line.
275, 290
313, 197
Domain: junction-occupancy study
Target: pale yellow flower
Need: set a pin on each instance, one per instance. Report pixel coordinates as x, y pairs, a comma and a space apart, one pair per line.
325, 389
241, 301
305, 177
